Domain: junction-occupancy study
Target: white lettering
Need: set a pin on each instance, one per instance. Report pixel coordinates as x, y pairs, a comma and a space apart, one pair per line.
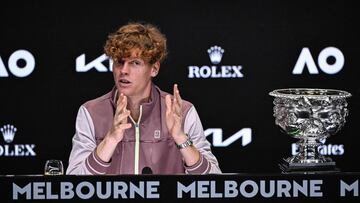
339, 60
152, 189
18, 190
193, 72
330, 149
302, 188
205, 71
87, 190
306, 59
182, 188
354, 187
13, 64
3, 72
283, 187
230, 188
315, 188
66, 190
213, 72
202, 189
30, 150
271, 188
49, 194
17, 150
138, 190
90, 188
38, 192
96, 63
99, 192
213, 193
237, 73
8, 152
254, 188
120, 188
226, 72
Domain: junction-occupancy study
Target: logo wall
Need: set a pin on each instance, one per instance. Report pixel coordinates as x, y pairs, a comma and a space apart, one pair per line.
8, 132
213, 71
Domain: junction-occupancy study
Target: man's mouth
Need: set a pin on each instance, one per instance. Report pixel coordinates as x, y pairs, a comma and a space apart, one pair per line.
124, 81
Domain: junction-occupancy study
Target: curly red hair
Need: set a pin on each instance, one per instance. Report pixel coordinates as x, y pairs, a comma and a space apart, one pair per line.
146, 38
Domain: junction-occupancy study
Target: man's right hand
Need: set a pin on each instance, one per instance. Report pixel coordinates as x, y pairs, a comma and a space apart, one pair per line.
120, 123
107, 147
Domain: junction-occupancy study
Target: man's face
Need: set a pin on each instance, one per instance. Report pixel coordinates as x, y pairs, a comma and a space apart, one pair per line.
133, 75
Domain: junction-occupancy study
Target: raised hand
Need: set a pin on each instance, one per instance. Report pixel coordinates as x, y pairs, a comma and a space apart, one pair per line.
120, 123
107, 147
174, 116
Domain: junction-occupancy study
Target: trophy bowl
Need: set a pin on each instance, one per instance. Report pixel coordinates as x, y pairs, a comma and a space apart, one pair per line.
309, 115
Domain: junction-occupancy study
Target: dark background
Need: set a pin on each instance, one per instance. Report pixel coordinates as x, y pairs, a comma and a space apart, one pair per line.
264, 37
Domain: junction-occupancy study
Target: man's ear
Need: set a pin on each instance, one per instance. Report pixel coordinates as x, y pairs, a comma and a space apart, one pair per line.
155, 69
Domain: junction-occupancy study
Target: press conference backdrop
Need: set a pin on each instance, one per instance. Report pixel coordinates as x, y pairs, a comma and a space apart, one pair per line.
226, 57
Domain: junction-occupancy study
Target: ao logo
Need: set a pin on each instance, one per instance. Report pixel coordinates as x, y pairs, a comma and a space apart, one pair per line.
13, 64
244, 134
306, 58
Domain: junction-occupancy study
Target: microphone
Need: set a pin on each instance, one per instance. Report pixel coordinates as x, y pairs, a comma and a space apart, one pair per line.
146, 170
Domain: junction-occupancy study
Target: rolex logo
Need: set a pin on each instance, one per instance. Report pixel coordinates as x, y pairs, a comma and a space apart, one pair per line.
215, 70
13, 150
215, 54
8, 131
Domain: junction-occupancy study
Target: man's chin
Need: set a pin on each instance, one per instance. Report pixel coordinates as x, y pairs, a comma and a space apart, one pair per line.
125, 91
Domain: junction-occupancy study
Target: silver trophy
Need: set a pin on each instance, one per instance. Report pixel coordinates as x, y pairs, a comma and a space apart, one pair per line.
310, 115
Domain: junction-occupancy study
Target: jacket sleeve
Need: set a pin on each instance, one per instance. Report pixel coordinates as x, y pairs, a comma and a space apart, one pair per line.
83, 159
207, 162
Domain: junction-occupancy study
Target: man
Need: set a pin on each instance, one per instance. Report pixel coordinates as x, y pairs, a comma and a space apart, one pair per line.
136, 126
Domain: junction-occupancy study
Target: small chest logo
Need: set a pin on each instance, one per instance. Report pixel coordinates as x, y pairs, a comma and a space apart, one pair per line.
157, 134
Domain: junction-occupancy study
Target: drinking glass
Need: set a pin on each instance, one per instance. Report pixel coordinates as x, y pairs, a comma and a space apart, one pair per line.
54, 167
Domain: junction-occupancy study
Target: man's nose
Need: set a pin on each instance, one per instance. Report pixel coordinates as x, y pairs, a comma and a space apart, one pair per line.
125, 68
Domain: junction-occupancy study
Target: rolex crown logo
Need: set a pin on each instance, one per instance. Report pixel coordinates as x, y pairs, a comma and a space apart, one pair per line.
8, 131
215, 54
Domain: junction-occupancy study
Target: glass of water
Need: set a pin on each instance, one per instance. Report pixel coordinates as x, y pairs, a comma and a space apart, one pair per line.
54, 167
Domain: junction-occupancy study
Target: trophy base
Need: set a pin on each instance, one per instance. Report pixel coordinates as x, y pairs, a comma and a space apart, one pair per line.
308, 168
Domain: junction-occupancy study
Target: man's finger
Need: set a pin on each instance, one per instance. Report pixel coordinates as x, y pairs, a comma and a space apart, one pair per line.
124, 126
120, 98
174, 104
122, 117
177, 108
121, 107
168, 104
177, 94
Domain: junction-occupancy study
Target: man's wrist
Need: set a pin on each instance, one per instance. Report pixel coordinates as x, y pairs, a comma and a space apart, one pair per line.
183, 141
181, 138
110, 140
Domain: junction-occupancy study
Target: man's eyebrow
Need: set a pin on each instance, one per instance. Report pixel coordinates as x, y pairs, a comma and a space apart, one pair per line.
136, 58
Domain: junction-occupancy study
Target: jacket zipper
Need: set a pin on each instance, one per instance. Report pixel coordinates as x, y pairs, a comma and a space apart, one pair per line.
137, 142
